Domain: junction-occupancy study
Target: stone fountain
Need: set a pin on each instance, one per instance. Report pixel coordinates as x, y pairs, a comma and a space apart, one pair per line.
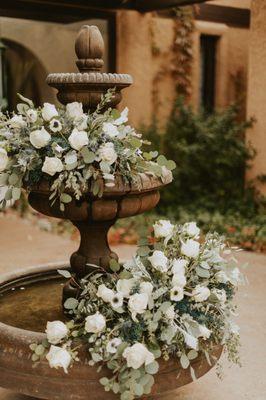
31, 298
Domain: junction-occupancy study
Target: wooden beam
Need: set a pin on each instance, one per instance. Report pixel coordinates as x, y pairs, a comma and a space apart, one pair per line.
238, 17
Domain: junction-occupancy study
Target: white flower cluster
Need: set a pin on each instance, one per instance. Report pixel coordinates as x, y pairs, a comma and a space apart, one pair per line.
62, 143
173, 299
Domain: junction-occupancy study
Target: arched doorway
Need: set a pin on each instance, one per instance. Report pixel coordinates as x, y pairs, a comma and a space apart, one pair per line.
22, 72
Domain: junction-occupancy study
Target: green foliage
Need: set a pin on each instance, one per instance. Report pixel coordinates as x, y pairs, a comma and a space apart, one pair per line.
211, 157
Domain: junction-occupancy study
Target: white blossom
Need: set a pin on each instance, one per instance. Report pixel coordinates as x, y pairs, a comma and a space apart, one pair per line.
137, 303
125, 286
40, 138
204, 332
3, 159
159, 261
78, 139
74, 110
220, 294
179, 280
191, 229
117, 300
49, 111
163, 228
52, 165
95, 323
17, 121
190, 248
107, 153
200, 293
56, 331
176, 293
55, 125
31, 115
110, 129
179, 266
105, 293
137, 355
58, 358
146, 287
112, 345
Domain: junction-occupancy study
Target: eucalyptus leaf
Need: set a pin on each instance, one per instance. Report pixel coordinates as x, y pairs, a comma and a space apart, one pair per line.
202, 273
152, 368
65, 198
88, 156
64, 273
184, 361
16, 193
71, 303
13, 179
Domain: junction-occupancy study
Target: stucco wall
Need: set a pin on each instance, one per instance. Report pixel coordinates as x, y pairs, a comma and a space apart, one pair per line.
257, 88
145, 50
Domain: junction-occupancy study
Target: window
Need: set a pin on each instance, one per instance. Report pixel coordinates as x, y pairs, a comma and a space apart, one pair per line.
208, 50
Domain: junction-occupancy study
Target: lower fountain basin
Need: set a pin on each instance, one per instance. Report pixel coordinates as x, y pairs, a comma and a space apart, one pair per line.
27, 301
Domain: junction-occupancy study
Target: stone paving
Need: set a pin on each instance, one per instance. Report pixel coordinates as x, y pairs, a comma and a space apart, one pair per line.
22, 244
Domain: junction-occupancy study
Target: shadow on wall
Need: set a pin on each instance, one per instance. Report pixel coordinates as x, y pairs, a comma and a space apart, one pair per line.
22, 73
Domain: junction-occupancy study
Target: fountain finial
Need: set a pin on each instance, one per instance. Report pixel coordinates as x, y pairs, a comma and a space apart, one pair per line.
88, 85
89, 47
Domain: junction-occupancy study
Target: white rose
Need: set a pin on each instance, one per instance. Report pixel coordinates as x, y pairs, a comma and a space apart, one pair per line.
31, 115
95, 323
163, 228
178, 266
159, 261
137, 355
191, 229
112, 345
56, 331
204, 332
107, 153
125, 286
58, 357
200, 293
110, 129
3, 159
52, 165
74, 110
55, 125
146, 287
177, 293
190, 248
179, 280
123, 117
117, 300
105, 293
40, 138
49, 111
17, 122
170, 313
138, 302
78, 139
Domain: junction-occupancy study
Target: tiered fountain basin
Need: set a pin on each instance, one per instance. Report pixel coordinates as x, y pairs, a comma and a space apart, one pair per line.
27, 302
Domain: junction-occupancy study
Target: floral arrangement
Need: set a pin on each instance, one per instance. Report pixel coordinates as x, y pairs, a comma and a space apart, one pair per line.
173, 299
73, 150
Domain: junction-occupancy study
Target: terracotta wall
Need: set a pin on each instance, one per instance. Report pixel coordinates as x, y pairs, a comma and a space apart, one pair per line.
257, 88
145, 50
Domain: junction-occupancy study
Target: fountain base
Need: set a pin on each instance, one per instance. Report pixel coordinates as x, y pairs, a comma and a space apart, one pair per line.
27, 302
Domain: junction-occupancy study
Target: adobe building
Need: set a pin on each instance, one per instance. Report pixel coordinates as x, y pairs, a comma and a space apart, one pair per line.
228, 55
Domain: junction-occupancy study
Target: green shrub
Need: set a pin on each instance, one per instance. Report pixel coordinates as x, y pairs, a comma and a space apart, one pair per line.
211, 157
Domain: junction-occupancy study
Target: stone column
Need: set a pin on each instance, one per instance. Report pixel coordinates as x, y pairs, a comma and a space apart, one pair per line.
257, 89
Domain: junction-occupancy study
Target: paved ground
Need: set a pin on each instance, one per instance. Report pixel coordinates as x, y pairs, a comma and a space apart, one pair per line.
24, 245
